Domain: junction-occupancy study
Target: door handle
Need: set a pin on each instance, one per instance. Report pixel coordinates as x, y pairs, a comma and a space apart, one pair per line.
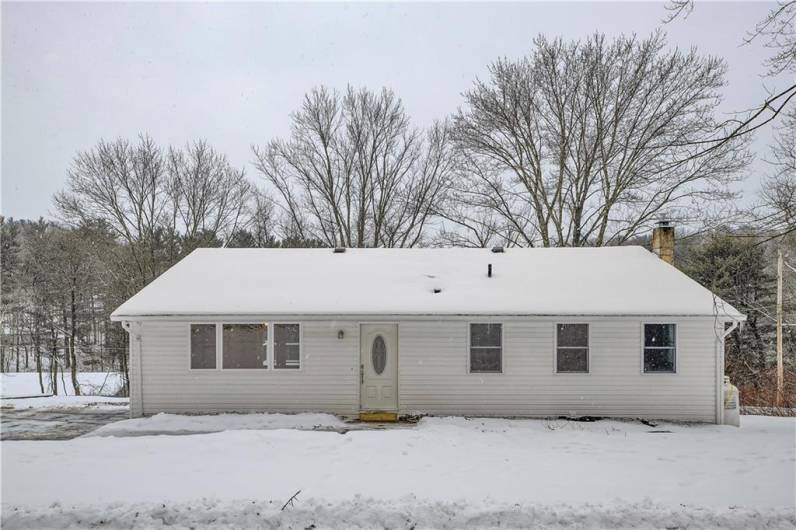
361, 374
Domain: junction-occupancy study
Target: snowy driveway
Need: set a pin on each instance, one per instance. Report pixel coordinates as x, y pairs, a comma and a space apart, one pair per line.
443, 473
57, 423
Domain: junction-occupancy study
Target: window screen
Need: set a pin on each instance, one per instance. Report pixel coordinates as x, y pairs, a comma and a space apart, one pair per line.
572, 353
660, 342
287, 346
245, 346
203, 346
486, 347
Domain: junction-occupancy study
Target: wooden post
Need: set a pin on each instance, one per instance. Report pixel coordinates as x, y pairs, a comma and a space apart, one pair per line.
780, 370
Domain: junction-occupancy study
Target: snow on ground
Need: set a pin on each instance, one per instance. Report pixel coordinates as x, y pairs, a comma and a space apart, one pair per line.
444, 473
25, 384
61, 402
97, 389
179, 424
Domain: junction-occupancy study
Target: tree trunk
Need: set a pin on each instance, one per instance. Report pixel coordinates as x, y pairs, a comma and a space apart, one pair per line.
54, 373
54, 363
16, 341
72, 335
63, 382
65, 323
125, 369
16, 351
38, 367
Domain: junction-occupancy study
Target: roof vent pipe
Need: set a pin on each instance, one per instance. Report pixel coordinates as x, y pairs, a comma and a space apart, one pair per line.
489, 270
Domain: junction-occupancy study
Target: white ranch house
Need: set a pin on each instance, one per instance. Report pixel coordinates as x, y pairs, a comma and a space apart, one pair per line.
614, 332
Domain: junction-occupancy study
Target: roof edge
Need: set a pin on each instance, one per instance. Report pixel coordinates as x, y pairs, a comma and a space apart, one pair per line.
387, 316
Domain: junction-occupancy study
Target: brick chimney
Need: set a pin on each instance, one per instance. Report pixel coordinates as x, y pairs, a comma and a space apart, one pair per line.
663, 241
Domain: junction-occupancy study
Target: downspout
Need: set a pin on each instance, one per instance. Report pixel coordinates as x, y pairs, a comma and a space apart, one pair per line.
134, 331
720, 371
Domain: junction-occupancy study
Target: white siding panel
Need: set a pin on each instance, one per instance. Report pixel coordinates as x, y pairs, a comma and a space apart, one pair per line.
434, 378
326, 382
433, 373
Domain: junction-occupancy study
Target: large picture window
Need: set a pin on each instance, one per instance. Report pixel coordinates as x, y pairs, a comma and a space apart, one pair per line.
203, 346
245, 346
287, 346
572, 348
660, 348
486, 348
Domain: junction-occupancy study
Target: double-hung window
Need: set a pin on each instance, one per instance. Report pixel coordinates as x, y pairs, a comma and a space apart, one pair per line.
572, 348
287, 346
486, 348
203, 346
660, 348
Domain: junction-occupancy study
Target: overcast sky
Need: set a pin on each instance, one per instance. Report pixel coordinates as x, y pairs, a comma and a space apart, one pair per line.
75, 73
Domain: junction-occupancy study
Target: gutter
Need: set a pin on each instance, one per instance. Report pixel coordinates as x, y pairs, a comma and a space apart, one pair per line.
418, 315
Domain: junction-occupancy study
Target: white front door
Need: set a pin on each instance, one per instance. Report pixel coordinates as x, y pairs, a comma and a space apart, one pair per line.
378, 357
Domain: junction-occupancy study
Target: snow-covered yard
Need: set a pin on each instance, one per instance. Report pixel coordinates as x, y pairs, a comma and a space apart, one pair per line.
444, 472
28, 414
180, 424
98, 389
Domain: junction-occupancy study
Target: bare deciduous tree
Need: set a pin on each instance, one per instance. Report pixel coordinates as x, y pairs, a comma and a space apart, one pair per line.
355, 173
587, 143
208, 194
777, 31
147, 195
779, 190
124, 185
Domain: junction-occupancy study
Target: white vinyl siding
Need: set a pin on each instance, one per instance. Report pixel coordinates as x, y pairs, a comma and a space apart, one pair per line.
327, 381
433, 377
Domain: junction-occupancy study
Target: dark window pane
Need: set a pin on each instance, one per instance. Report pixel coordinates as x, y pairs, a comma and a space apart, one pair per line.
573, 360
245, 346
378, 355
203, 346
659, 359
485, 359
286, 346
574, 335
485, 335
659, 335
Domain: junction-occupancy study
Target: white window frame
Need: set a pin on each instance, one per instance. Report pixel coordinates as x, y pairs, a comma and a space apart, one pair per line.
555, 348
272, 349
218, 349
469, 346
220, 332
676, 347
270, 366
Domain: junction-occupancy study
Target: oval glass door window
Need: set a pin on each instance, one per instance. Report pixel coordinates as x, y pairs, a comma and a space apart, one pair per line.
378, 354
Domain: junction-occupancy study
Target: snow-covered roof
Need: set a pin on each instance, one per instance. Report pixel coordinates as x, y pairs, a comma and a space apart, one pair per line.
525, 281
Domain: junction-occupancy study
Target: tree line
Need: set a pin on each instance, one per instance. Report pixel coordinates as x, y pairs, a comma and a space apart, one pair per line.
584, 143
